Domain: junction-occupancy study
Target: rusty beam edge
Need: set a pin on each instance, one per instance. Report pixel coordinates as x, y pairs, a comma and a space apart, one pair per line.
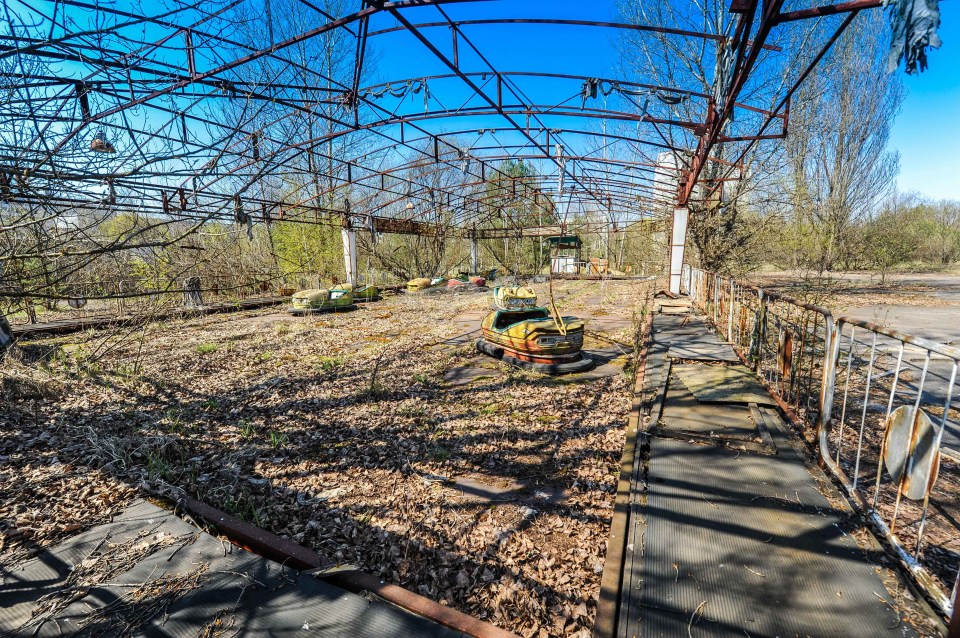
827, 10
287, 552
611, 580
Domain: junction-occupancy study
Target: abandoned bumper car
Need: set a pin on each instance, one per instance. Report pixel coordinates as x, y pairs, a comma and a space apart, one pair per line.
366, 294
529, 336
338, 299
423, 283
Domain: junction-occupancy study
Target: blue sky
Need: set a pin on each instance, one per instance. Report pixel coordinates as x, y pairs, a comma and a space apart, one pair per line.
926, 133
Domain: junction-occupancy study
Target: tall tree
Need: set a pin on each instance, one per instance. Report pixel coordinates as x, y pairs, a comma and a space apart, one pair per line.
724, 230
840, 168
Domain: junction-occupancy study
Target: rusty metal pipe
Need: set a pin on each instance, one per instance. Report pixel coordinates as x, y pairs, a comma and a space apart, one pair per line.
927, 344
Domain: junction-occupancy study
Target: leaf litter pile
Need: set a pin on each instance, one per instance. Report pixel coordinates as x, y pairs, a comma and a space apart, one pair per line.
339, 431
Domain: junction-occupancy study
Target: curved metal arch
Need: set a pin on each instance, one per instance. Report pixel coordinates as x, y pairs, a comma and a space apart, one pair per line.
555, 22
709, 133
535, 74
212, 73
303, 146
420, 164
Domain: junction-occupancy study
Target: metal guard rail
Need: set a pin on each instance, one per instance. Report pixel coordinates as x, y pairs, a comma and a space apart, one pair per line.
796, 349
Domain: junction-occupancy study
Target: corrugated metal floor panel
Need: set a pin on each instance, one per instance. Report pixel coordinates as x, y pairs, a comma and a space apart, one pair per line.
149, 573
703, 350
750, 539
722, 384
733, 543
690, 337
22, 585
684, 413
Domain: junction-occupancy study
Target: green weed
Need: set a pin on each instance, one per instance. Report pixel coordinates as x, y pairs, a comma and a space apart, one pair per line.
157, 466
247, 431
278, 439
330, 363
490, 408
440, 454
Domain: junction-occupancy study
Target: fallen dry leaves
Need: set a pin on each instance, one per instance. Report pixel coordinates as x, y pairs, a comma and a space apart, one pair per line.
339, 432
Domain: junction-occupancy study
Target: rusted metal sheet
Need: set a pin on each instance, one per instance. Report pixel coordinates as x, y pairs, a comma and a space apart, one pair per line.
785, 355
910, 453
723, 384
405, 227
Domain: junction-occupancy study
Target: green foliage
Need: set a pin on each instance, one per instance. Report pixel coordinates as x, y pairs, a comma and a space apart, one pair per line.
330, 363
157, 466
174, 420
207, 348
508, 205
308, 248
247, 431
907, 232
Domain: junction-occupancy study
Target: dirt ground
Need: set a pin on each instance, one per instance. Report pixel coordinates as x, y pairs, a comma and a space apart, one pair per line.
377, 437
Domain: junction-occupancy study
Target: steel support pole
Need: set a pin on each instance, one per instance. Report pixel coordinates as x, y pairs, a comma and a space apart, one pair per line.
475, 255
349, 237
677, 244
716, 299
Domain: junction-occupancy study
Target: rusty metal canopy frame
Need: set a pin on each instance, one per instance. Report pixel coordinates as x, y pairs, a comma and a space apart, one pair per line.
190, 115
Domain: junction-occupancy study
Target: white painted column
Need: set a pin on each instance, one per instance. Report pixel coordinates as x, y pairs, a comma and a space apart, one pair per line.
475, 256
678, 242
349, 237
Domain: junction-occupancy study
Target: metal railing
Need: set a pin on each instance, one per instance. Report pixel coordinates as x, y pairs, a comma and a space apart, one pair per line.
879, 404
885, 440
785, 341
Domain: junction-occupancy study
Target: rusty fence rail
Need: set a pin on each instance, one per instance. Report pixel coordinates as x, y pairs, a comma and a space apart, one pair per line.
879, 404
